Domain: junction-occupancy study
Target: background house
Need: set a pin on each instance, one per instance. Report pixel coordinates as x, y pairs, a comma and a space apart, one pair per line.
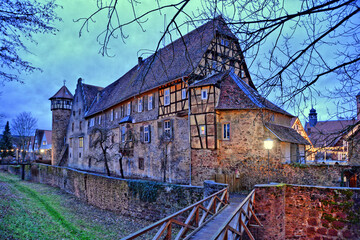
334, 142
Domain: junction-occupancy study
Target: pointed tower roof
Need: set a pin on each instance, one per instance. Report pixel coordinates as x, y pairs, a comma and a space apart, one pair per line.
63, 93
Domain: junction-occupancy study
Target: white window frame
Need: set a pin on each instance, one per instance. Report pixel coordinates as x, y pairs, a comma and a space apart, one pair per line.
167, 128
92, 122
226, 131
146, 133
123, 133
202, 130
167, 97
150, 102
99, 119
183, 93
116, 115
112, 114
204, 91
140, 104
128, 109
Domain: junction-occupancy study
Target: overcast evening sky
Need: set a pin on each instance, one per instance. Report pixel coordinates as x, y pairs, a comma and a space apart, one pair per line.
65, 56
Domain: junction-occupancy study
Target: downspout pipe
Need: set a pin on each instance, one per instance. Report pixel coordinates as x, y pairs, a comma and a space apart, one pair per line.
189, 128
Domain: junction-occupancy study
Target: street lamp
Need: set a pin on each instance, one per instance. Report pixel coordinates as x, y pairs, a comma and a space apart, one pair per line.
268, 144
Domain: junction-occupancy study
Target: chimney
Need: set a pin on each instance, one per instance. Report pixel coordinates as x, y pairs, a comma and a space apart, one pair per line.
140, 61
358, 106
312, 117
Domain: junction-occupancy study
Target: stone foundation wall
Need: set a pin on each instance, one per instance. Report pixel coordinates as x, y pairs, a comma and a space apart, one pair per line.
307, 212
138, 198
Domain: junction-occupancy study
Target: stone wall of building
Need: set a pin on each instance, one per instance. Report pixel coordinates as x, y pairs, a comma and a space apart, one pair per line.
307, 212
247, 135
138, 198
204, 165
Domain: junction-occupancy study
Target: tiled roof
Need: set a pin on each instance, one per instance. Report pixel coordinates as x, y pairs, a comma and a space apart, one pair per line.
286, 134
63, 93
48, 135
89, 93
236, 94
328, 133
178, 59
126, 119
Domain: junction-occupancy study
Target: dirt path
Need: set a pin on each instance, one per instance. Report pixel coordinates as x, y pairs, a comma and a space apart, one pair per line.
36, 211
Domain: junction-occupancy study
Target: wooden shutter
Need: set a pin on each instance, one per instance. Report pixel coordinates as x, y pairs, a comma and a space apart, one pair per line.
142, 134
219, 131
149, 127
172, 129
160, 129
153, 101
145, 103
135, 105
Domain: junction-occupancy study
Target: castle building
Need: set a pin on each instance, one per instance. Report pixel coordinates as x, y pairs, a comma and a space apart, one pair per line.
181, 115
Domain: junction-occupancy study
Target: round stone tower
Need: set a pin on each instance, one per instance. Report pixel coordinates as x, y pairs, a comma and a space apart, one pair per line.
61, 104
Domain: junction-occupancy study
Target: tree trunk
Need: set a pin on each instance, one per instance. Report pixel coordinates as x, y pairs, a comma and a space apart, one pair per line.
106, 164
121, 167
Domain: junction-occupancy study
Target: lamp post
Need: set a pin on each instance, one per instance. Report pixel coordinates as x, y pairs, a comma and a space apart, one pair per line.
268, 144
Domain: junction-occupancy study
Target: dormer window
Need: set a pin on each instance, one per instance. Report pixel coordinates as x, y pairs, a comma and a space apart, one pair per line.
167, 97
204, 94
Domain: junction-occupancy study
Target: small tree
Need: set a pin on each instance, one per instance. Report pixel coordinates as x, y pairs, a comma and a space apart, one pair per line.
103, 138
6, 142
24, 126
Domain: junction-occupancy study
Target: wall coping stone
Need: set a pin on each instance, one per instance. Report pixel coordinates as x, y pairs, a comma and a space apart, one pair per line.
118, 178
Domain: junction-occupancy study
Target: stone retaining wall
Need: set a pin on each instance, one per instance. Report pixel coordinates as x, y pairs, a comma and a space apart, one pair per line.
307, 212
138, 198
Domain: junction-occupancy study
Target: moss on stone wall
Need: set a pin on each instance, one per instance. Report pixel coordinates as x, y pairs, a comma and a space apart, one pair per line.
147, 191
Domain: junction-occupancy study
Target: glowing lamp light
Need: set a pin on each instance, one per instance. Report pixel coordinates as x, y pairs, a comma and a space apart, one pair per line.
42, 150
268, 144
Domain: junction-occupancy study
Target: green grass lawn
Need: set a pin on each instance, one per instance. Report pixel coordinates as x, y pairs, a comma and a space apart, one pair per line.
36, 211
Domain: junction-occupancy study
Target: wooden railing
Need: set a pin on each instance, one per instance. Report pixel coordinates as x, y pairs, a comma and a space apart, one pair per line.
239, 222
184, 222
